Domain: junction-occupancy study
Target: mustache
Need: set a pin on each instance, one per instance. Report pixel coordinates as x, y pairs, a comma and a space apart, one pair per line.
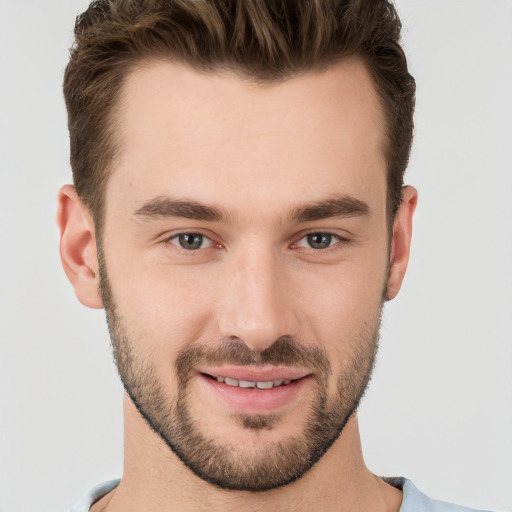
285, 351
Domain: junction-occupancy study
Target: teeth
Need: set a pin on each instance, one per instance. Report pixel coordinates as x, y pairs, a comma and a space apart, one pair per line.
247, 384
265, 385
254, 385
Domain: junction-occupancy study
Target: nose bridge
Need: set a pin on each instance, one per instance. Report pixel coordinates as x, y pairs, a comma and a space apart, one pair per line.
257, 306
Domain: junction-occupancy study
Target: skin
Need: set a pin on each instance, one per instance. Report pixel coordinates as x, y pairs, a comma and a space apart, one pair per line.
260, 153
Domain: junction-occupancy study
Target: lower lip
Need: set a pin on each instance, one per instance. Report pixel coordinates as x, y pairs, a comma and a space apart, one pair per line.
255, 401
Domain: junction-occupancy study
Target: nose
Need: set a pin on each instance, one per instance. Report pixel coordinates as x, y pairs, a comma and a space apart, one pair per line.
257, 304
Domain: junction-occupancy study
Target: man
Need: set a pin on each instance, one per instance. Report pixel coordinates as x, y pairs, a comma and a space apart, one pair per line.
239, 212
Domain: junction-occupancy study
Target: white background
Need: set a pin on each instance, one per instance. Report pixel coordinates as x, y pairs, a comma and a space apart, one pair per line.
439, 409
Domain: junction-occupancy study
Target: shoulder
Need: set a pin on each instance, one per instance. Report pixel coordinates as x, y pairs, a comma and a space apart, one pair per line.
415, 501
94, 495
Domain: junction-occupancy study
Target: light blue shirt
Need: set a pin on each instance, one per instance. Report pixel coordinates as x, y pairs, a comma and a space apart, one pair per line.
413, 499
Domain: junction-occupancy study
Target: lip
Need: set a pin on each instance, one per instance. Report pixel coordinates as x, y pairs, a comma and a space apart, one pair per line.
256, 374
250, 400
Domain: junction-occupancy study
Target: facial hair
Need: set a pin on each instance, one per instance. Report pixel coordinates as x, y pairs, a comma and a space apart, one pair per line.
263, 467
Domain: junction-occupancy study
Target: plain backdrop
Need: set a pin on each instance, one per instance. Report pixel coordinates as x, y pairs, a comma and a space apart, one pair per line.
439, 409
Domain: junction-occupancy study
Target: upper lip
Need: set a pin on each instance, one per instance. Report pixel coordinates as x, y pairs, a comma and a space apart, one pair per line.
255, 374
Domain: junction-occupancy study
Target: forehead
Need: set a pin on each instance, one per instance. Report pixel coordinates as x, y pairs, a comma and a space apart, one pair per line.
217, 137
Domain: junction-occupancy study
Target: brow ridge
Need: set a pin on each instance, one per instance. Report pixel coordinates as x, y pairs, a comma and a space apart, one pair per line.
162, 207
340, 206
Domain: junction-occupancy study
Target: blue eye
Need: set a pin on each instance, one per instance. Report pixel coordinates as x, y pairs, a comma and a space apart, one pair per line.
318, 240
191, 241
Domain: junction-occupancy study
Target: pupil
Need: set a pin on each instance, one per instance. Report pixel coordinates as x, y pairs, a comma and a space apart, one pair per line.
191, 241
319, 240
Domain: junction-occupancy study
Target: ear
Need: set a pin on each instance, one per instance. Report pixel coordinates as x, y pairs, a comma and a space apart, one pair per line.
78, 250
401, 241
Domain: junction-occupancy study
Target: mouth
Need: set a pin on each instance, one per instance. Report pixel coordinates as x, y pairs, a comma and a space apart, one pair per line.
246, 384
255, 391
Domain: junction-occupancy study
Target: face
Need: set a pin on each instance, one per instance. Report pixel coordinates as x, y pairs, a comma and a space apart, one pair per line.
244, 261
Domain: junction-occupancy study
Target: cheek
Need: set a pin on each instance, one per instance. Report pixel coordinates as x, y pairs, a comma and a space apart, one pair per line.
161, 314
345, 293
342, 308
165, 308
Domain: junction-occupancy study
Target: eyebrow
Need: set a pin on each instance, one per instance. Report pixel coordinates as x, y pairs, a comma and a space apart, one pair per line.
338, 206
162, 207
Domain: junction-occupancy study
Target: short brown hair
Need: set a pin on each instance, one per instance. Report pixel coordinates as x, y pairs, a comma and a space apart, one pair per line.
263, 40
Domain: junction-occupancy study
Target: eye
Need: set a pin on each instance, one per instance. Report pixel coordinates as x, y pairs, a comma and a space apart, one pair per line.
318, 240
191, 241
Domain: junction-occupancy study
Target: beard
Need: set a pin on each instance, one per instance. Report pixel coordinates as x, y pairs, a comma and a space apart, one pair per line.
249, 467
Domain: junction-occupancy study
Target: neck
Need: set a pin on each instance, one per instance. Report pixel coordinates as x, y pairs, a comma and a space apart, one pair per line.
155, 479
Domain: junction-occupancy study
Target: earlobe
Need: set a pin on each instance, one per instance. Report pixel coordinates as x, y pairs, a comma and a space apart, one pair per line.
78, 247
401, 241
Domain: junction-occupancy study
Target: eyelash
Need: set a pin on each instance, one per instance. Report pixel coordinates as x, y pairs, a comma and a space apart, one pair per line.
175, 237
336, 239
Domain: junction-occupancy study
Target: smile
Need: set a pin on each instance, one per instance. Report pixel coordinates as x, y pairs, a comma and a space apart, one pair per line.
254, 390
254, 385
